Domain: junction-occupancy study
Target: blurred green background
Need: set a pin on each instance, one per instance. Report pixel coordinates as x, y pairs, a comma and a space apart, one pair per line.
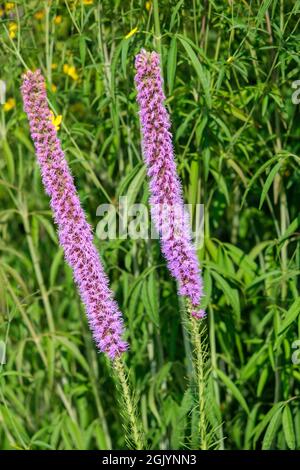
229, 70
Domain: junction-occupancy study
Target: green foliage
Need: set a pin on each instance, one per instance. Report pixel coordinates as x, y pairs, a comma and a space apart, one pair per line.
229, 69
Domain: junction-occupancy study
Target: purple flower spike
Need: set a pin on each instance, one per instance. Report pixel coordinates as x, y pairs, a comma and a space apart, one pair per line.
166, 201
75, 234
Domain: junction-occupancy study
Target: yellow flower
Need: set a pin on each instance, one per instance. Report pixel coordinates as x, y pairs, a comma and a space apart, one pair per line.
230, 59
1, 12
56, 120
53, 88
88, 2
54, 66
9, 6
9, 104
39, 15
131, 33
12, 28
148, 5
71, 71
58, 19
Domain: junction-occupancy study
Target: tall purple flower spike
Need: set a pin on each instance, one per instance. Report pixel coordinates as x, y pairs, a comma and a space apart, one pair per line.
166, 201
75, 234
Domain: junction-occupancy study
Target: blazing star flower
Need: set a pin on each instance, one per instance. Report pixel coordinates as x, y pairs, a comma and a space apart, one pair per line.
166, 201
75, 234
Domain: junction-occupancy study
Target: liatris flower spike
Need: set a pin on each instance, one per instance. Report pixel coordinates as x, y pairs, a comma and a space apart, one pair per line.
75, 234
166, 201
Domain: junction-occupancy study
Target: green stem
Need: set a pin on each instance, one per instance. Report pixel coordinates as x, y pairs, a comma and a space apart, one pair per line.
47, 43
136, 434
199, 358
213, 356
92, 360
37, 270
186, 340
25, 318
157, 33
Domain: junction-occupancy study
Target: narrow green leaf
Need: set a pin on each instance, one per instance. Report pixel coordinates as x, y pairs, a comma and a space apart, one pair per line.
73, 350
124, 53
288, 427
291, 316
262, 381
290, 230
266, 419
268, 183
10, 162
201, 72
234, 390
230, 294
172, 62
262, 11
271, 430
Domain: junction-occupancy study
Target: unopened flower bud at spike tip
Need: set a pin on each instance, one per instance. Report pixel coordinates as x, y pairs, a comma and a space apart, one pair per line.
165, 187
75, 234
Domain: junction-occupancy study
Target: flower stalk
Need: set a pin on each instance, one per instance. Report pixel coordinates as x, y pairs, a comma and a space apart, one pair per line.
136, 436
168, 212
200, 365
76, 238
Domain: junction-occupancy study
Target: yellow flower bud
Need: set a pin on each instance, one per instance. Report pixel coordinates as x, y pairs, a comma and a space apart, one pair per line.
9, 104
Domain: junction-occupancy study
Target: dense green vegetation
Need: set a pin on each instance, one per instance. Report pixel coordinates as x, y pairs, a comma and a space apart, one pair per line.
229, 69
